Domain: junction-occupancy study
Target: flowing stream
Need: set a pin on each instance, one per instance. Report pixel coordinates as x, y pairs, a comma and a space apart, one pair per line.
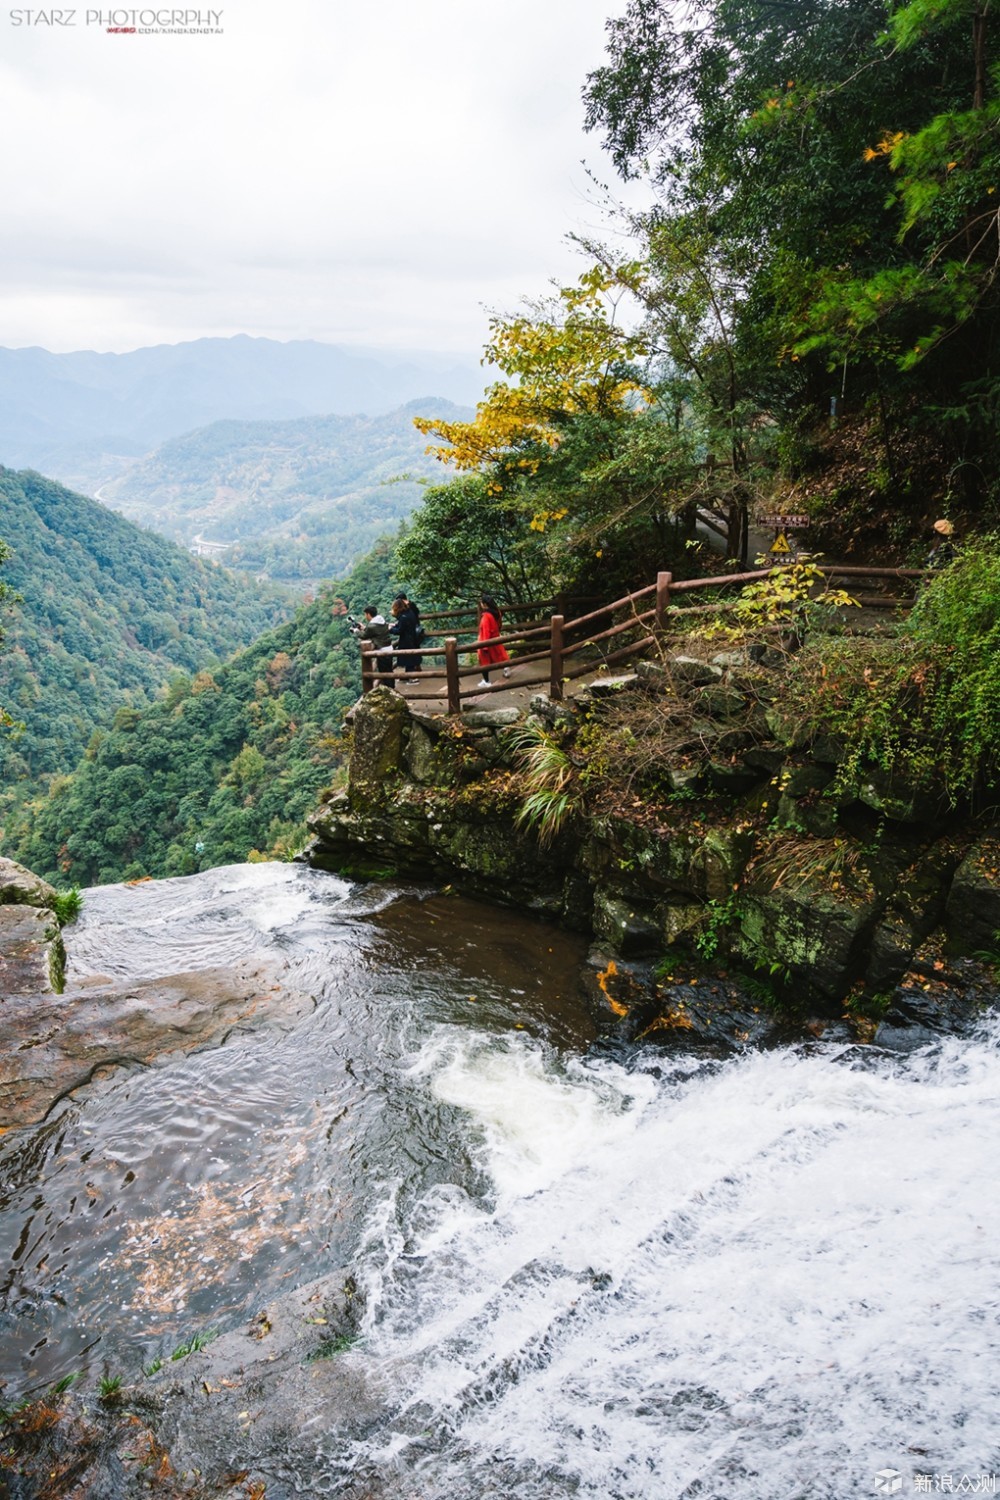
579, 1270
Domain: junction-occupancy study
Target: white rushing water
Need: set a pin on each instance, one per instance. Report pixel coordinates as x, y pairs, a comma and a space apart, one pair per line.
773, 1277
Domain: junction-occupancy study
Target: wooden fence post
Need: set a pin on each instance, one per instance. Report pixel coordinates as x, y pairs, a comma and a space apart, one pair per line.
663, 582
367, 666
556, 648
451, 674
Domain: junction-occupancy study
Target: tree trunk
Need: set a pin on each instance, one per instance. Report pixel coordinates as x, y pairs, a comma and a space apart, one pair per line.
979, 55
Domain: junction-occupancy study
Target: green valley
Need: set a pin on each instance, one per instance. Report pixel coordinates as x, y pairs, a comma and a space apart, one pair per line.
228, 762
107, 612
299, 500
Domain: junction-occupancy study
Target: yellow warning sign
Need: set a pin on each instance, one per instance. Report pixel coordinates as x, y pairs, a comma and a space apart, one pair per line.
780, 543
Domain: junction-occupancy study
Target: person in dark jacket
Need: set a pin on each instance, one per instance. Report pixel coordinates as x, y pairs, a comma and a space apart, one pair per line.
376, 631
405, 628
405, 599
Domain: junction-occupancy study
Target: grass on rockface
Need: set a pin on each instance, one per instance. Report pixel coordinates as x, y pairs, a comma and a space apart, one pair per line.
553, 793
196, 1342
110, 1389
67, 905
329, 1348
795, 862
190, 1346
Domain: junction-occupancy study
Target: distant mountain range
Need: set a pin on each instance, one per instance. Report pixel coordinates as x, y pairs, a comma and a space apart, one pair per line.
80, 417
299, 500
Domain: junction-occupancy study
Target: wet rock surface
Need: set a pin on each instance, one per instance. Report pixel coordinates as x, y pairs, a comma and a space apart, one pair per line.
235, 1420
680, 1008
263, 1389
55, 1044
684, 1007
31, 952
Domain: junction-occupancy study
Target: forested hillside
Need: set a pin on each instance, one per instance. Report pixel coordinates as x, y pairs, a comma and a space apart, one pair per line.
107, 613
802, 316
230, 761
301, 500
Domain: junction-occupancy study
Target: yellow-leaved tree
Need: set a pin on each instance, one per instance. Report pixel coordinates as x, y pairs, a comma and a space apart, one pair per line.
565, 357
566, 452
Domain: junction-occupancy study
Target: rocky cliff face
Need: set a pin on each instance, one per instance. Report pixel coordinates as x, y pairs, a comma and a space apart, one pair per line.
861, 897
32, 959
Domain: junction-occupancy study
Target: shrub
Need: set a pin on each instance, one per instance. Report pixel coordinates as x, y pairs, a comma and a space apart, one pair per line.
925, 706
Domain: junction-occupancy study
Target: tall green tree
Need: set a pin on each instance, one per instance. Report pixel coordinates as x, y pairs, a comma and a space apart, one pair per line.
8, 597
841, 160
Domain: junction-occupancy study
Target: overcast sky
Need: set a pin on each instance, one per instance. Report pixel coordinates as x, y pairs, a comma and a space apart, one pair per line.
355, 173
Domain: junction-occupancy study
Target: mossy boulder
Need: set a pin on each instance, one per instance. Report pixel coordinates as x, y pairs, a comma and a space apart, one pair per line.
820, 937
721, 702
625, 929
718, 861
973, 907
19, 887
897, 800
915, 908
423, 763
801, 803
381, 725
694, 671
624, 854
680, 924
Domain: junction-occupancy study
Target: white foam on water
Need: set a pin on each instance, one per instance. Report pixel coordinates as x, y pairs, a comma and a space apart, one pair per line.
537, 1125
194, 921
770, 1278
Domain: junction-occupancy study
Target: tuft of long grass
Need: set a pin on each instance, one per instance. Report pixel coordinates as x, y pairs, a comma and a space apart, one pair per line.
67, 906
552, 794
196, 1342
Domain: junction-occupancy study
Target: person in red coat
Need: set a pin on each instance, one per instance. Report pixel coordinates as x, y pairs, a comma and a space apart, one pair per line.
492, 655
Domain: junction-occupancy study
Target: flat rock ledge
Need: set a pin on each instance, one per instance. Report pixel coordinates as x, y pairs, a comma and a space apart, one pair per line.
55, 1044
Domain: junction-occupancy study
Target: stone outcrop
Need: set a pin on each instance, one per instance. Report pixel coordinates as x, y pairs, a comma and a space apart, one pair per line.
974, 898
751, 853
32, 959
19, 887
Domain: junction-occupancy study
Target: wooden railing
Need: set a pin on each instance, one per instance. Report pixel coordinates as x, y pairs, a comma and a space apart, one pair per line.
559, 642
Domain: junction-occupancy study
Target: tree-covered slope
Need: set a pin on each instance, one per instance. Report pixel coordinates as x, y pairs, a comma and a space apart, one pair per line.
301, 499
228, 762
108, 611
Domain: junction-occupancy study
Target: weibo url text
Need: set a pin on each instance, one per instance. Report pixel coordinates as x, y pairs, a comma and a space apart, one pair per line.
121, 20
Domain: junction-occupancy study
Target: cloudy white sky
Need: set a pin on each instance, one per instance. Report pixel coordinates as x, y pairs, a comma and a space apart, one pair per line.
356, 173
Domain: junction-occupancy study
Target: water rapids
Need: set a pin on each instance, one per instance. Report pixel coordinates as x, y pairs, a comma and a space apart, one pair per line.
578, 1271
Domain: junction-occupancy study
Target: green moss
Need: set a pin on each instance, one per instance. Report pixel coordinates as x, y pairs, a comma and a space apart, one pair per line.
364, 871
57, 961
